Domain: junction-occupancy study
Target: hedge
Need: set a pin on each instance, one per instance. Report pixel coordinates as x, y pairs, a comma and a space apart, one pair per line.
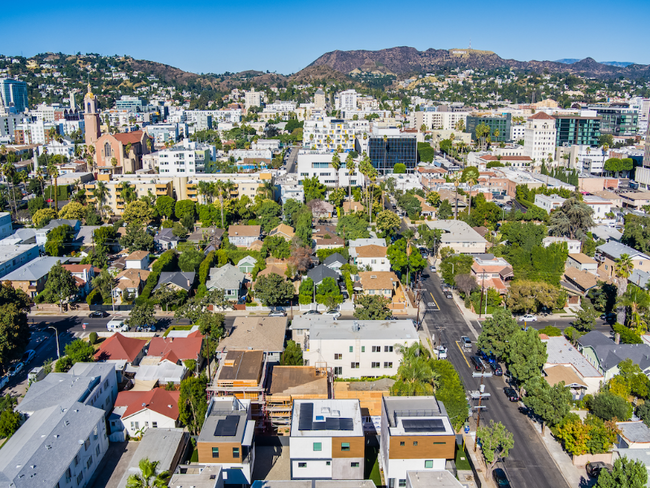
204, 268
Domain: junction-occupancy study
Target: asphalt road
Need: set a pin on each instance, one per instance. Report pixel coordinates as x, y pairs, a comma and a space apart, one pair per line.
291, 160
529, 463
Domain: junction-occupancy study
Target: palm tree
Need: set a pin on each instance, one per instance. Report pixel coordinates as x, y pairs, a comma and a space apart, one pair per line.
207, 190
127, 193
336, 164
635, 300
9, 171
100, 192
350, 166
148, 477
471, 177
623, 268
414, 375
223, 190
269, 189
53, 171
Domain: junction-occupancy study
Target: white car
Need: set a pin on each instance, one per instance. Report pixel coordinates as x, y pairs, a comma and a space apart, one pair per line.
529, 317
117, 325
333, 313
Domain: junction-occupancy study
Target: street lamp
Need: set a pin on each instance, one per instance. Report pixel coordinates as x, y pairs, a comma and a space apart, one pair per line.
56, 335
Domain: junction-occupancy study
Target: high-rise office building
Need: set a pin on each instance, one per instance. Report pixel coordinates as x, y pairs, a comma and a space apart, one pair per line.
499, 123
14, 94
386, 152
617, 119
577, 130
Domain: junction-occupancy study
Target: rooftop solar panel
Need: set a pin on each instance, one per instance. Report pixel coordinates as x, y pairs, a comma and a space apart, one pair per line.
423, 425
227, 427
306, 416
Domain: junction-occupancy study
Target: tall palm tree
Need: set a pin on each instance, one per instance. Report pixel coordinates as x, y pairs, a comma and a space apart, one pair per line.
350, 166
127, 192
100, 192
9, 171
148, 477
623, 268
206, 189
336, 164
224, 189
635, 300
53, 171
470, 176
415, 376
268, 188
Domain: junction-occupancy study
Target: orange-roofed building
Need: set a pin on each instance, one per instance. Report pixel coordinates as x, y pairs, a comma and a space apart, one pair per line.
174, 349
141, 410
121, 348
83, 275
492, 272
115, 146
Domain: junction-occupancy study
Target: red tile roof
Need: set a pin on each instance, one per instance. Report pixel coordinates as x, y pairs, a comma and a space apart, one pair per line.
129, 137
541, 116
119, 347
175, 348
77, 268
158, 400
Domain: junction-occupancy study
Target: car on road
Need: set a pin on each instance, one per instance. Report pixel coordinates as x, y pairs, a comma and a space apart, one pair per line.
500, 478
312, 312
448, 294
3, 381
594, 469
441, 351
117, 325
609, 317
511, 393
333, 313
529, 317
15, 369
432, 268
466, 342
278, 313
496, 368
477, 363
28, 356
98, 314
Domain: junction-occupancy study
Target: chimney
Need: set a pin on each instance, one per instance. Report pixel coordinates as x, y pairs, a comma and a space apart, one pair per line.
617, 338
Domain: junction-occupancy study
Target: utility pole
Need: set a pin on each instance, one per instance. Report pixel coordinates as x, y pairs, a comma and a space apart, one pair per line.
481, 393
56, 335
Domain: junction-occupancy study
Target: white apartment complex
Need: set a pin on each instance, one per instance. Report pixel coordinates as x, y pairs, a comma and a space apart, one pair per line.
539, 137
437, 120
319, 163
252, 99
329, 134
353, 348
346, 100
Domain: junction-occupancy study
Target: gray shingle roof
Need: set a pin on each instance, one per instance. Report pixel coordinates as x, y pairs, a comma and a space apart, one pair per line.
166, 235
611, 354
228, 277
35, 269
319, 273
183, 279
616, 249
333, 258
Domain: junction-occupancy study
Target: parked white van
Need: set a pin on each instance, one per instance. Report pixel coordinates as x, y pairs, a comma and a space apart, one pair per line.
117, 325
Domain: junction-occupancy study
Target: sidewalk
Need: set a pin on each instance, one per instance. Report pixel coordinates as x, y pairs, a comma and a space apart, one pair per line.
573, 475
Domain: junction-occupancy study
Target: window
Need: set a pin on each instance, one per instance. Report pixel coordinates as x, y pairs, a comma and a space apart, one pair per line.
388, 348
328, 463
402, 483
376, 348
388, 364
363, 348
89, 463
338, 370
302, 465
354, 465
235, 452
154, 425
428, 464
87, 443
97, 450
415, 443
80, 477
338, 356
354, 365
351, 348
440, 443
318, 446
402, 443
345, 446
215, 452
376, 365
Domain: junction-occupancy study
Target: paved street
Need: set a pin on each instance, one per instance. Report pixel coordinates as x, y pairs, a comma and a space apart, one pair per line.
529, 463
291, 160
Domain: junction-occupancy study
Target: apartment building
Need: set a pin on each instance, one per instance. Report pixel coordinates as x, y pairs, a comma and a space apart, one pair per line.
142, 186
185, 159
618, 119
327, 440
353, 348
539, 137
329, 134
227, 439
346, 100
13, 256
319, 164
548, 202
459, 236
416, 435
437, 120
581, 130
494, 122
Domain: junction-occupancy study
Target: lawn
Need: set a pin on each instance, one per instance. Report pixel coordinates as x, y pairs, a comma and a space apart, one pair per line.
462, 460
371, 465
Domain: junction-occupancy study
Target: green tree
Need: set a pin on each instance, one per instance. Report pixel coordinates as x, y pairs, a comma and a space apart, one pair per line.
43, 217
268, 215
73, 211
415, 376
496, 334
272, 290
455, 264
351, 227
496, 442
445, 211
60, 285
104, 282
142, 315
527, 296
292, 355
80, 351
403, 262
371, 307
137, 238
14, 329
137, 213
388, 222
527, 356
9, 423
451, 392
328, 293
337, 197
58, 239
399, 168
306, 292
608, 406
192, 405
165, 206
149, 476
190, 260
572, 219
276, 246
550, 403
627, 473
313, 188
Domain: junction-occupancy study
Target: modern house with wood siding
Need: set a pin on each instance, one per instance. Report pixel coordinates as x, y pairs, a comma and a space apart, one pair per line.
228, 439
416, 435
327, 440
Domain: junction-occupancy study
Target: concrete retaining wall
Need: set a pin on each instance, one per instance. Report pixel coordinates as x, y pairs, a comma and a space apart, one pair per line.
592, 458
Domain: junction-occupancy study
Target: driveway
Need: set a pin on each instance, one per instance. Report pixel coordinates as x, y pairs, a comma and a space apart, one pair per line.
114, 464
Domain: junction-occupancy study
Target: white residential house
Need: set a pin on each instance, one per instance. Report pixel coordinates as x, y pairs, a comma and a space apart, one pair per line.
137, 411
327, 440
354, 348
574, 245
137, 260
600, 206
372, 258
548, 202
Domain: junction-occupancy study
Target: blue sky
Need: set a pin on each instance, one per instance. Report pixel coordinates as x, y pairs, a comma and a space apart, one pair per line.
287, 35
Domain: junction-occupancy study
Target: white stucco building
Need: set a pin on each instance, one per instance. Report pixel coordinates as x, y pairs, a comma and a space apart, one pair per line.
319, 163
539, 137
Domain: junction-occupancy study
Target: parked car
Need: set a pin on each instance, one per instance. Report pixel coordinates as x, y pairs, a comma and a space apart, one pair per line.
15, 369
117, 325
609, 317
500, 478
312, 312
594, 469
477, 363
333, 313
448, 294
36, 374
432, 268
441, 351
466, 342
278, 313
496, 368
98, 314
512, 394
28, 356
3, 381
529, 317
